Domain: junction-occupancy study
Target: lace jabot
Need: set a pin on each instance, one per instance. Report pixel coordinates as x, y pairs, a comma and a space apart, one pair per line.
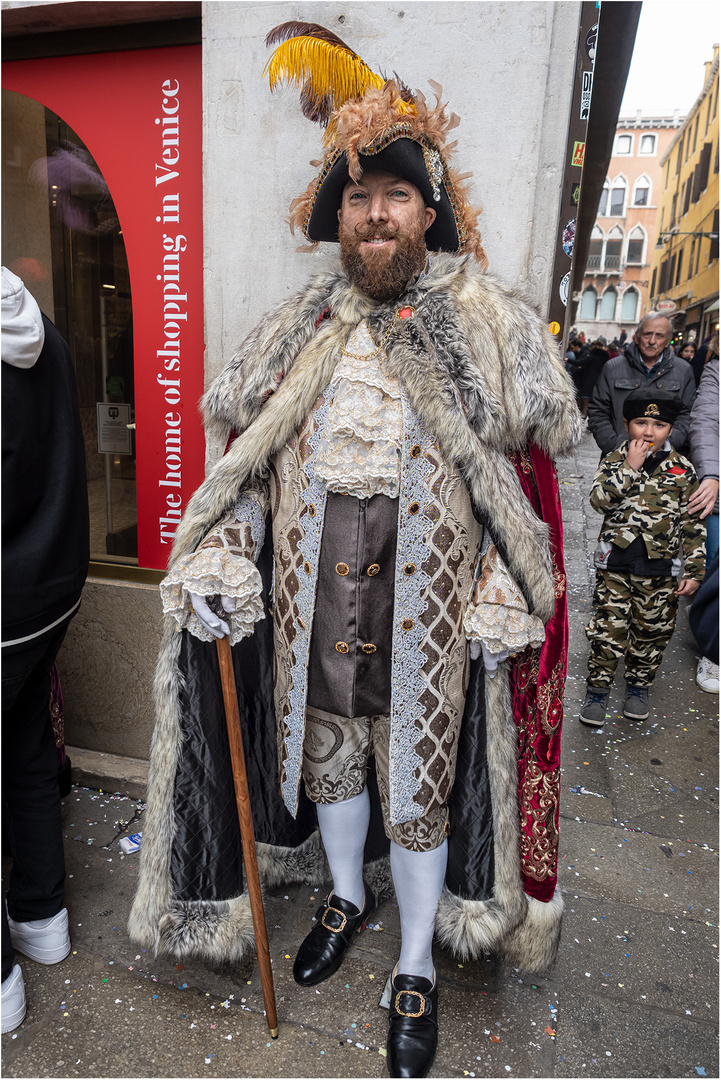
359, 449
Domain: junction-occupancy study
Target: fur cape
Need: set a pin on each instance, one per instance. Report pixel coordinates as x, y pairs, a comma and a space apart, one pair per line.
484, 376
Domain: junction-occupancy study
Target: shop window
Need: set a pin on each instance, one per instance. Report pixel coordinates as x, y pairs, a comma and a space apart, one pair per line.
62, 237
648, 144
629, 306
608, 305
588, 304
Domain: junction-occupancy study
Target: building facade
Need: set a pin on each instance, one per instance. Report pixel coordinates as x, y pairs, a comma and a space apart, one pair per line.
147, 174
685, 267
616, 282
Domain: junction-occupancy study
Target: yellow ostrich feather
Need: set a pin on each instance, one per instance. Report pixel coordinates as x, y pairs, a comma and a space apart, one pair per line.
323, 71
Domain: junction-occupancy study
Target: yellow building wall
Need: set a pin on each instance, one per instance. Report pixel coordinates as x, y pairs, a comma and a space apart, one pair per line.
696, 286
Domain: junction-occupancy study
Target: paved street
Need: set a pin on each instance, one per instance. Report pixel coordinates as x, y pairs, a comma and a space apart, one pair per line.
634, 990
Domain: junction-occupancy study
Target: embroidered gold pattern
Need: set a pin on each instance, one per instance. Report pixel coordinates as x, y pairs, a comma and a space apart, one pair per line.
539, 810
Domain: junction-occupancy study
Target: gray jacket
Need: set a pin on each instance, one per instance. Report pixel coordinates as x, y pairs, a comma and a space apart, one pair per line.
627, 372
703, 433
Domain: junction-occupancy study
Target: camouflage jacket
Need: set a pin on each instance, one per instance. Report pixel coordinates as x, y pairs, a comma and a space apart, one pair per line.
653, 506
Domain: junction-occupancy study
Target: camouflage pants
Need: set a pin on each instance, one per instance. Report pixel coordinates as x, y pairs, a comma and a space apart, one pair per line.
335, 759
633, 620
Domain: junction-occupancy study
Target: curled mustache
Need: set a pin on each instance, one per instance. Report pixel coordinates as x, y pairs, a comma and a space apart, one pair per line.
374, 232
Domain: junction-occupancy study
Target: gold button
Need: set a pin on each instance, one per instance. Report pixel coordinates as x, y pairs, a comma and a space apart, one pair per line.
415, 451
306, 567
407, 624
311, 510
342, 568
369, 648
446, 828
301, 624
341, 647
414, 508
373, 569
409, 568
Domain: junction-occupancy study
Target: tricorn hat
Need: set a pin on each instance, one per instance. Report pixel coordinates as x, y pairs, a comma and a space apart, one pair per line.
372, 124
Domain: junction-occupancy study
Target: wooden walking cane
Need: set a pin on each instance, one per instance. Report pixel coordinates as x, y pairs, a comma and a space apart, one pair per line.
240, 780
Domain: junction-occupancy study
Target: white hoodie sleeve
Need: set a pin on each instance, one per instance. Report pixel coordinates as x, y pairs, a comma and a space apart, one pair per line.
23, 333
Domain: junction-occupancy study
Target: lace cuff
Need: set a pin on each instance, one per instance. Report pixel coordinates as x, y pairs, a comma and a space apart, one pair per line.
502, 628
498, 613
214, 572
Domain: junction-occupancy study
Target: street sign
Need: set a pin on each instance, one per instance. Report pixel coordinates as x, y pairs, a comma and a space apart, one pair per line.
665, 305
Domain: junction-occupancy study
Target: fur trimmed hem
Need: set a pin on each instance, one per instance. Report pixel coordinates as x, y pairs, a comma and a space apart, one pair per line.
215, 930
532, 946
308, 865
471, 928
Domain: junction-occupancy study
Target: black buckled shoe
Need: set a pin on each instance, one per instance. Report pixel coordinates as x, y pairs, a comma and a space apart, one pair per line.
413, 1025
322, 951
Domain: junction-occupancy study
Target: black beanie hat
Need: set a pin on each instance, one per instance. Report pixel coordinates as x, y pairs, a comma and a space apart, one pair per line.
657, 404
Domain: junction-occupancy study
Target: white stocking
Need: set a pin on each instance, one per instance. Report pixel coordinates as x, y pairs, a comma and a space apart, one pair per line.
418, 878
343, 829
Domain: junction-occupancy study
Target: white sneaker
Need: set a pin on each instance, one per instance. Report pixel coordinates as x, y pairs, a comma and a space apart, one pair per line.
12, 1008
707, 675
44, 940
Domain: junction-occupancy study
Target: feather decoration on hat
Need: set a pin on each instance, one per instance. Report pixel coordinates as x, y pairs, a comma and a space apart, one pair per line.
327, 70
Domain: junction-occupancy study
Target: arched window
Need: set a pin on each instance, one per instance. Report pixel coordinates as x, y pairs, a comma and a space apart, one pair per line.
588, 303
608, 305
595, 249
614, 244
618, 197
642, 191
636, 244
603, 204
629, 306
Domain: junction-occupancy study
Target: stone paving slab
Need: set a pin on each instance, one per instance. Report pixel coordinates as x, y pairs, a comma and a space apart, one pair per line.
602, 1037
656, 959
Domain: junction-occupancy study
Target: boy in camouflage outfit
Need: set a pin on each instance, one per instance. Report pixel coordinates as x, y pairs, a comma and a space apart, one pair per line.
642, 489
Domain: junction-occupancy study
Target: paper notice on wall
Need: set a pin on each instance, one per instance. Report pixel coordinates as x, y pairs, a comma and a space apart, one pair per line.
114, 431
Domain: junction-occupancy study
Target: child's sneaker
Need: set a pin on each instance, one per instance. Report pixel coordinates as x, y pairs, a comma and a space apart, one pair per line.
707, 675
593, 710
635, 707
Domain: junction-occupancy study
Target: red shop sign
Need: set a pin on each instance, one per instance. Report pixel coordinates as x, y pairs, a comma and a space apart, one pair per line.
140, 115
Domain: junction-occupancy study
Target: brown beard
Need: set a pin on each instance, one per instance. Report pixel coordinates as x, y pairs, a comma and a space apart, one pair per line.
381, 276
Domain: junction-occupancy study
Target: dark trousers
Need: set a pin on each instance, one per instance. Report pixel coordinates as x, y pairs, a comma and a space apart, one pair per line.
30, 795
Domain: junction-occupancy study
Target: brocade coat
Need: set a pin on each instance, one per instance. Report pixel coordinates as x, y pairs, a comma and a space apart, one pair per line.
480, 380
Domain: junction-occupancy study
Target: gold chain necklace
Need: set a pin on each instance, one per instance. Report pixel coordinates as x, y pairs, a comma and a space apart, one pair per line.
378, 349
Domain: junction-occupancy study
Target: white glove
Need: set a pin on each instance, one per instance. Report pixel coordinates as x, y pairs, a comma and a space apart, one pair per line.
209, 619
491, 660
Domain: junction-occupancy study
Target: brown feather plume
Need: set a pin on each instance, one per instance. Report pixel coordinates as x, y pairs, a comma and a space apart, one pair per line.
288, 30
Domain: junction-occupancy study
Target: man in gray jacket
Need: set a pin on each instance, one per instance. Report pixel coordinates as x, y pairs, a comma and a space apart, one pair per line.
648, 360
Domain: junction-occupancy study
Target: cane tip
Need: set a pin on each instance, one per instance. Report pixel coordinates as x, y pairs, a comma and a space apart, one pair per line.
273, 1033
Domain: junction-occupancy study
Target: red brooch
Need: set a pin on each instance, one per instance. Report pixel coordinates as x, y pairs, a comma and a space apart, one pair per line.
406, 313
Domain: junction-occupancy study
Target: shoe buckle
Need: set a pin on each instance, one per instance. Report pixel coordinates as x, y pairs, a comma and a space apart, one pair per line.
334, 929
413, 993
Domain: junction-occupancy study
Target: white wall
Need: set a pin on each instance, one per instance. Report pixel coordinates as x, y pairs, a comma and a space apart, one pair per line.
505, 68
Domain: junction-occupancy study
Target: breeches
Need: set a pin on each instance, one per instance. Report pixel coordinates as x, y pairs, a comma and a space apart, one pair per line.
633, 619
335, 760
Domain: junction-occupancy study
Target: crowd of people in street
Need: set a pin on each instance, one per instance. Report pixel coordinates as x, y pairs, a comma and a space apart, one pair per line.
656, 424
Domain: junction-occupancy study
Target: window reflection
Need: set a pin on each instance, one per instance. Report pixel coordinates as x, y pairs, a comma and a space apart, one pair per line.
61, 235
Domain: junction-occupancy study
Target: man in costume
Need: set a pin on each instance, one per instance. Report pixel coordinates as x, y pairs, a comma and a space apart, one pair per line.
385, 522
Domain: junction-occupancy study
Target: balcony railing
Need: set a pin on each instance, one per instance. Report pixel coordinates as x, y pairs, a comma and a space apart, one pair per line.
593, 262
613, 262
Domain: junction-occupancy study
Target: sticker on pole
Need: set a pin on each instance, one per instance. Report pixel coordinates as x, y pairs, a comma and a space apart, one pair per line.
563, 288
